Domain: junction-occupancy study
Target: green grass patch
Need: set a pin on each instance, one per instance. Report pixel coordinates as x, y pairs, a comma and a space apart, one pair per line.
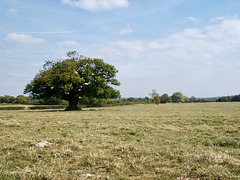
226, 142
166, 141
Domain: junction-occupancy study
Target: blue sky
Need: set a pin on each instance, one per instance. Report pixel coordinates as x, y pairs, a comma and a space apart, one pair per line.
192, 46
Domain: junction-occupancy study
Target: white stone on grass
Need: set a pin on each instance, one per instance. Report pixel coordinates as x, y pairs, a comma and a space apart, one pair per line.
44, 144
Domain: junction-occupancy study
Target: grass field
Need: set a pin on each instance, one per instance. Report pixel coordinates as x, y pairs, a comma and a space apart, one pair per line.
166, 141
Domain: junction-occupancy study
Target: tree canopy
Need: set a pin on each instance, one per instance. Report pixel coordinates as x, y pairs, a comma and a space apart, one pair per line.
73, 78
165, 98
177, 97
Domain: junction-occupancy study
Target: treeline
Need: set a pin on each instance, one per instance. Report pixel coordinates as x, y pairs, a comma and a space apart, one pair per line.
229, 98
179, 97
153, 97
21, 99
86, 102
176, 97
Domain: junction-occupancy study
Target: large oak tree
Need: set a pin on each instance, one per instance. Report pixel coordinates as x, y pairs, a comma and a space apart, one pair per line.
74, 77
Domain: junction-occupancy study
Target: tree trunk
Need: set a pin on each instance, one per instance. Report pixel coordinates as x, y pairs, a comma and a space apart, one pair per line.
73, 102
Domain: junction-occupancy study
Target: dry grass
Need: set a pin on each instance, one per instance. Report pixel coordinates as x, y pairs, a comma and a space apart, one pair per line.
167, 141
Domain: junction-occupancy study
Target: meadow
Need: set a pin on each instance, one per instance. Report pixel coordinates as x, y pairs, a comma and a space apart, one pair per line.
165, 141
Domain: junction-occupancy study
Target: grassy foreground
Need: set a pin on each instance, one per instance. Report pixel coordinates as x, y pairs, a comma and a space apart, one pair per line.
166, 141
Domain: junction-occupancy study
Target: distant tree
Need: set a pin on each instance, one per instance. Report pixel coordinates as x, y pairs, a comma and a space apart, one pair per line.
165, 98
193, 99
153, 93
177, 97
74, 77
156, 99
12, 99
131, 99
186, 99
236, 98
21, 99
224, 99
7, 99
146, 98
155, 96
229, 98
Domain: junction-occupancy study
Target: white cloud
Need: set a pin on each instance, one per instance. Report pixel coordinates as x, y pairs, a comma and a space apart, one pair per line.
156, 45
94, 5
125, 31
190, 47
220, 18
23, 38
197, 44
192, 19
53, 32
